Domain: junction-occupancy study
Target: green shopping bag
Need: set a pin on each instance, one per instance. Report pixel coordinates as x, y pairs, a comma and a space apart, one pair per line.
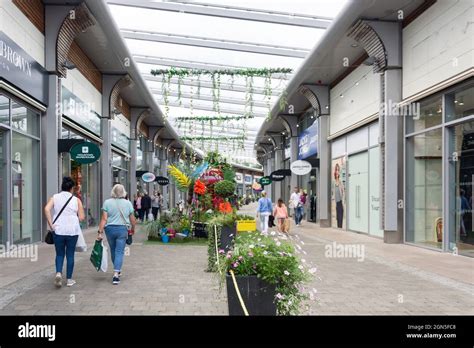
96, 255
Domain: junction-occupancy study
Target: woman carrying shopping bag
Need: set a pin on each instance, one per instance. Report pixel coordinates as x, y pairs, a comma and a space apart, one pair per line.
118, 219
264, 210
65, 227
281, 214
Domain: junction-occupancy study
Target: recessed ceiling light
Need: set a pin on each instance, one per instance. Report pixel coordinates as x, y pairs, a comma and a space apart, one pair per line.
354, 45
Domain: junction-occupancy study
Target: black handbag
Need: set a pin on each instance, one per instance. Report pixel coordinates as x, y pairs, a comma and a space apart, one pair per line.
49, 239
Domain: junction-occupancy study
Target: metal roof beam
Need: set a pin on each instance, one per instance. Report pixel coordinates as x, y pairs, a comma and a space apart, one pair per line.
233, 12
225, 110
205, 42
210, 98
206, 84
181, 63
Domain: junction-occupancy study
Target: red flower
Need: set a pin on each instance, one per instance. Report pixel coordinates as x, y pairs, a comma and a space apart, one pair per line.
199, 187
225, 207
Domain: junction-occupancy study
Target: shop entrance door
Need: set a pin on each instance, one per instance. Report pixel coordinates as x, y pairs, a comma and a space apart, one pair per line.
461, 170
358, 192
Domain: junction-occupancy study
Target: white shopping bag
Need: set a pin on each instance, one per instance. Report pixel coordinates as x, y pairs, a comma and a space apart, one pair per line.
105, 258
81, 245
151, 217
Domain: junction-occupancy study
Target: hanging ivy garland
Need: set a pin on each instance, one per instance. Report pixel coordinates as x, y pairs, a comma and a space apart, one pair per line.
215, 76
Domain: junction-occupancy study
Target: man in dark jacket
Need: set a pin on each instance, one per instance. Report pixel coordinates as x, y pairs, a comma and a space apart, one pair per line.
146, 205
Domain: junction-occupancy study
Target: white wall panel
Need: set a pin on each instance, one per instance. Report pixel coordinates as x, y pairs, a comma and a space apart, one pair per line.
358, 140
19, 28
359, 101
438, 45
338, 147
83, 89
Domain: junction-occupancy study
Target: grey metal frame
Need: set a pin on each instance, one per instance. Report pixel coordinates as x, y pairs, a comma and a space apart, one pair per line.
209, 108
228, 45
234, 12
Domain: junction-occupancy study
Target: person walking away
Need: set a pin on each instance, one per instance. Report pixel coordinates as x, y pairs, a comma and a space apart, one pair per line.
139, 207
264, 209
302, 205
295, 202
117, 216
155, 205
146, 206
68, 213
281, 214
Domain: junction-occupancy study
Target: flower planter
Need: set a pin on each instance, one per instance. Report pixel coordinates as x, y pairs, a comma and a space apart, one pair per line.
258, 296
165, 239
227, 237
199, 230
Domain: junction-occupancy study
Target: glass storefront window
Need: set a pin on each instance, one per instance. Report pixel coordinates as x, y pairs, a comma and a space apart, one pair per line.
424, 189
25, 189
4, 110
460, 103
430, 115
461, 174
3, 189
120, 168
24, 119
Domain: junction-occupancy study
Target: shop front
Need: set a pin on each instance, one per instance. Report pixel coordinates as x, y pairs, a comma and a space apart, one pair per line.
355, 181
308, 151
439, 171
121, 152
81, 123
23, 85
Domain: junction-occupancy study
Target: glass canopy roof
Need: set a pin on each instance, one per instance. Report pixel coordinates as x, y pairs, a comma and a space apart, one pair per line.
217, 35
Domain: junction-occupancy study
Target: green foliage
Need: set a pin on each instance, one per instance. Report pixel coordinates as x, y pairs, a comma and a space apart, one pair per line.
229, 174
218, 220
244, 217
153, 229
183, 72
272, 261
224, 188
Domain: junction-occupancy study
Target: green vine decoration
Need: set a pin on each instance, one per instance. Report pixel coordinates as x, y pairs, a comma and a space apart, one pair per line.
263, 72
224, 138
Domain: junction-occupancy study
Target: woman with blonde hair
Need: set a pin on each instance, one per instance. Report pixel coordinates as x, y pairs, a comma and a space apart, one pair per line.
118, 219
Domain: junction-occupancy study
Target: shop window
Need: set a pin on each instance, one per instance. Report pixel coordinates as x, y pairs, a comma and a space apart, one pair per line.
425, 114
4, 110
24, 119
424, 189
460, 103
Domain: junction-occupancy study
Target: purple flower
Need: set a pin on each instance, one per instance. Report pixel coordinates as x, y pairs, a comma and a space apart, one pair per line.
221, 251
235, 264
228, 256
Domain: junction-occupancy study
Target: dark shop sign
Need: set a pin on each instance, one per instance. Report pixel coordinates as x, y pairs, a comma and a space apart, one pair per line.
21, 70
264, 181
85, 153
161, 180
279, 175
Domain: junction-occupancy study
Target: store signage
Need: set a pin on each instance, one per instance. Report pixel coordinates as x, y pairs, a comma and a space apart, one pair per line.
279, 175
161, 180
308, 142
248, 179
301, 167
80, 112
148, 177
21, 70
264, 181
85, 153
239, 178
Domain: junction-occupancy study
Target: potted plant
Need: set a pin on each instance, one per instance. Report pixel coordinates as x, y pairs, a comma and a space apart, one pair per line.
268, 274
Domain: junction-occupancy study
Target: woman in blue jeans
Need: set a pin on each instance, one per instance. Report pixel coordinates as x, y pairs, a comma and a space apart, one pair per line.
66, 228
117, 217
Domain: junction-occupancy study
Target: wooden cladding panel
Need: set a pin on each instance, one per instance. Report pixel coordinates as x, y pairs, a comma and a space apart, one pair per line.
123, 106
143, 128
33, 10
77, 56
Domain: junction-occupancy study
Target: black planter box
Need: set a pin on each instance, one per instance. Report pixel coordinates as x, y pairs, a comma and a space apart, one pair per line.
258, 296
199, 230
227, 237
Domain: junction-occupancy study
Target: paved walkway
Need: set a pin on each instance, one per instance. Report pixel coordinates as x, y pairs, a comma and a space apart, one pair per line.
170, 280
157, 280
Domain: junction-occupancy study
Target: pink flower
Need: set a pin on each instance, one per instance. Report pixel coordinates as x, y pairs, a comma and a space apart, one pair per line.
228, 256
221, 251
235, 264
240, 258
254, 266
250, 254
